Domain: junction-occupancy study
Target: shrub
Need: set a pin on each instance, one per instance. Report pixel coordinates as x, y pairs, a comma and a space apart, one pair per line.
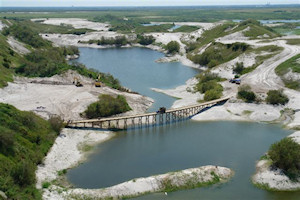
277, 97
107, 106
56, 123
23, 173
246, 94
239, 67
145, 40
173, 47
285, 155
212, 95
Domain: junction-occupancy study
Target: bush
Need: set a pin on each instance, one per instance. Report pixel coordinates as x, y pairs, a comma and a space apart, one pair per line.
239, 67
145, 40
285, 155
56, 123
107, 106
208, 84
24, 173
277, 97
246, 94
173, 47
212, 95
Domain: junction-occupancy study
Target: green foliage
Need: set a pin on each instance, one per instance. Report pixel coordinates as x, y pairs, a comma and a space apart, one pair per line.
56, 123
248, 22
186, 29
46, 185
293, 65
155, 28
218, 53
246, 94
293, 41
107, 106
117, 41
172, 47
239, 67
24, 140
145, 40
208, 84
285, 155
25, 34
276, 97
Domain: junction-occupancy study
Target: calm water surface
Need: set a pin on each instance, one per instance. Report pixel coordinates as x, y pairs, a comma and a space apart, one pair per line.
144, 152
136, 69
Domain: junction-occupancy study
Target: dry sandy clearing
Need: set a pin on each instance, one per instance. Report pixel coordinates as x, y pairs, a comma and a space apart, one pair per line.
57, 95
17, 46
76, 23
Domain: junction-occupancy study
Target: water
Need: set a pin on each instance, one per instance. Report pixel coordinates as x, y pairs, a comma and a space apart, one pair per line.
145, 152
136, 69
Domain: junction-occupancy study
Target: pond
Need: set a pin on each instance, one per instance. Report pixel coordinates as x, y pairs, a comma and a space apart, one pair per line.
155, 150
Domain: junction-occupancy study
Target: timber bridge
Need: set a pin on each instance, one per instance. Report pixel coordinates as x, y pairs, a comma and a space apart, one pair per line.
147, 119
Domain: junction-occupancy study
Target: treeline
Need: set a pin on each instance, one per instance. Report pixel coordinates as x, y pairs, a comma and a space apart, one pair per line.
25, 140
122, 40
106, 106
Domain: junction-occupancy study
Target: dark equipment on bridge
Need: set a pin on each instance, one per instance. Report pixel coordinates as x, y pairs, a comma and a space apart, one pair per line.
161, 110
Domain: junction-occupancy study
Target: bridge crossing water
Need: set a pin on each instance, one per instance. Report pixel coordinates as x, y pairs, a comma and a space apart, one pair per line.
147, 119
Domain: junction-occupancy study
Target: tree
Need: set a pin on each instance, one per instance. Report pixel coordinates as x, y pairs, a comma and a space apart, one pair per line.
277, 97
173, 47
246, 94
285, 155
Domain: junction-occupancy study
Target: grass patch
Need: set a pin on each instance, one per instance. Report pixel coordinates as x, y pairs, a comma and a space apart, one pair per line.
186, 29
293, 41
292, 64
46, 185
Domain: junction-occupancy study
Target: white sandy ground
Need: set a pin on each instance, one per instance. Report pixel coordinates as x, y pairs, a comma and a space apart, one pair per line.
65, 152
58, 96
140, 186
275, 179
76, 23
17, 46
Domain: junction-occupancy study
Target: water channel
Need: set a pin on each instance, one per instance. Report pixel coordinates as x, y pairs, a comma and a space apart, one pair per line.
144, 152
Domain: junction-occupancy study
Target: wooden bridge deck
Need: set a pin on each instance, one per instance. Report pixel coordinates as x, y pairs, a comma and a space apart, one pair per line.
124, 122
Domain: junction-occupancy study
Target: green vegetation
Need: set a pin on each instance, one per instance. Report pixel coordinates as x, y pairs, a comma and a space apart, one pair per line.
172, 47
256, 30
118, 41
145, 40
24, 141
219, 53
246, 94
186, 29
285, 155
276, 97
209, 86
44, 59
292, 64
155, 28
288, 28
107, 106
293, 41
8, 60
